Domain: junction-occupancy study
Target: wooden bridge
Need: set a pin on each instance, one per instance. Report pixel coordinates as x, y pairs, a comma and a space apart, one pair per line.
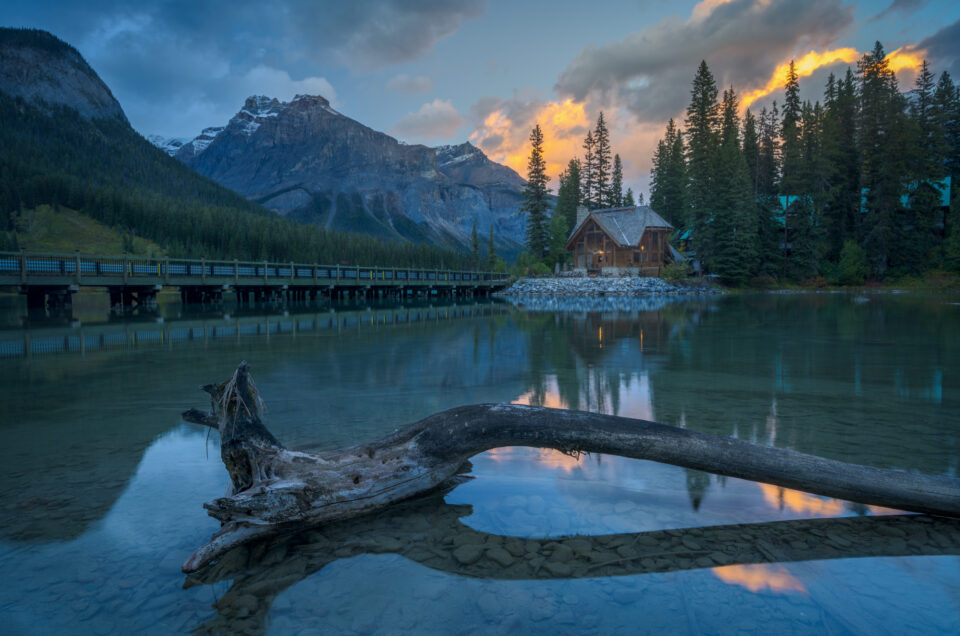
49, 280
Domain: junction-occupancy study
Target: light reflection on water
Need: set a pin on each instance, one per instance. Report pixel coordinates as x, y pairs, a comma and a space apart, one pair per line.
104, 486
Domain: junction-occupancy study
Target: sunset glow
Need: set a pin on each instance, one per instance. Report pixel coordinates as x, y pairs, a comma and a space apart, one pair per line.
805, 66
801, 502
564, 124
545, 457
757, 578
902, 58
905, 58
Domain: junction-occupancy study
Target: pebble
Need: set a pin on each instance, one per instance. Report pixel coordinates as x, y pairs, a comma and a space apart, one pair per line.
468, 554
690, 543
500, 556
558, 569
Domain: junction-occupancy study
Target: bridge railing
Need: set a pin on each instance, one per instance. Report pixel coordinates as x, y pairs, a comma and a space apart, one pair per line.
38, 265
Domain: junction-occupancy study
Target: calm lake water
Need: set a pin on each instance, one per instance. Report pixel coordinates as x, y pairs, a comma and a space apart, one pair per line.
103, 484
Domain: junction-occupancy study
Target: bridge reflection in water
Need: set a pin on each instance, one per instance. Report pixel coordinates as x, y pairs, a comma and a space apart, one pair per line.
81, 339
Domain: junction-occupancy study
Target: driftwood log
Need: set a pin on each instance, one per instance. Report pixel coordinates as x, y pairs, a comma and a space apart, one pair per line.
275, 490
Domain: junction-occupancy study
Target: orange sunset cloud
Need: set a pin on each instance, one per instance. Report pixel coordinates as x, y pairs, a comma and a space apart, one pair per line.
902, 58
564, 124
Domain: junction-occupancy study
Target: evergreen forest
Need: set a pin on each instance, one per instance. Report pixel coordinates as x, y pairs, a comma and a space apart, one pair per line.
851, 188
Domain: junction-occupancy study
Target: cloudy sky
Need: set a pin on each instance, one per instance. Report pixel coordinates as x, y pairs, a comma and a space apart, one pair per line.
445, 71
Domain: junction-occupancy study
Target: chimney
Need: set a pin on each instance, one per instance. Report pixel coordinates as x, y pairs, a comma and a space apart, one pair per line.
582, 213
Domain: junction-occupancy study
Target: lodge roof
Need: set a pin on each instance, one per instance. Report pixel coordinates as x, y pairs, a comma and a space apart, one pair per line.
626, 225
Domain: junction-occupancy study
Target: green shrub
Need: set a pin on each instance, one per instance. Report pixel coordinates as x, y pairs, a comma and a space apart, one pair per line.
852, 269
539, 269
675, 272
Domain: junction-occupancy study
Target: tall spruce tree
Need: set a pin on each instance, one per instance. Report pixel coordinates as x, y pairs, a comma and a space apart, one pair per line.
601, 163
568, 194
475, 246
791, 178
881, 132
734, 252
751, 150
702, 132
615, 194
841, 208
668, 183
491, 251
769, 230
919, 224
947, 107
588, 176
535, 198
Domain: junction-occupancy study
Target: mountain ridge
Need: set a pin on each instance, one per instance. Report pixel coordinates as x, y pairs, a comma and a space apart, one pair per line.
309, 162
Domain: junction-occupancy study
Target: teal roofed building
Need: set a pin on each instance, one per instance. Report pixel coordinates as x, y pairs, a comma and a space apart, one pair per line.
943, 186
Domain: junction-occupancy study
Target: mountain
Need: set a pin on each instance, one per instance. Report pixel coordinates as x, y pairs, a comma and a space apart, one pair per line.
40, 69
308, 162
66, 144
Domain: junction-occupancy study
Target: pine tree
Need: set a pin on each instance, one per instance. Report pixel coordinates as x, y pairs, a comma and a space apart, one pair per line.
668, 182
639, 198
615, 195
769, 229
475, 245
702, 132
491, 252
628, 200
568, 194
841, 211
535, 198
587, 173
601, 168
947, 108
881, 132
734, 252
918, 229
751, 151
791, 181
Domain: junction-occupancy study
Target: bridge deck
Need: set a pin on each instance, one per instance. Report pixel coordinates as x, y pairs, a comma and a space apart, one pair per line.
31, 269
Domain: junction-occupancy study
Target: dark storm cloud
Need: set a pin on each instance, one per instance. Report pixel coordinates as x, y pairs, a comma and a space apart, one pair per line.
742, 41
177, 65
374, 33
943, 49
901, 7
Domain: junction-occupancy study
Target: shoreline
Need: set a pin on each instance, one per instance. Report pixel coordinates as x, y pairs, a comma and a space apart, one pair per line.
601, 287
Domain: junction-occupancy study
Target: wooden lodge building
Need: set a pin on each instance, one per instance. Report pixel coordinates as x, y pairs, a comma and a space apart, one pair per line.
621, 241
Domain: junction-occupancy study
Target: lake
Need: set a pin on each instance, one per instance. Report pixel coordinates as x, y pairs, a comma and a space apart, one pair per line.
104, 483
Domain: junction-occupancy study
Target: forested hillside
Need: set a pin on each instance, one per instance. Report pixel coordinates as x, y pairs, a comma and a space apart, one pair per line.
51, 154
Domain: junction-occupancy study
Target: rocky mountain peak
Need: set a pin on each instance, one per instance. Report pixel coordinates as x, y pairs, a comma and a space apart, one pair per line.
304, 102
450, 155
306, 161
39, 67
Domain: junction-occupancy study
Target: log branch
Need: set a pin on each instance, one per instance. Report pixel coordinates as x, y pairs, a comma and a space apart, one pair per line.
276, 490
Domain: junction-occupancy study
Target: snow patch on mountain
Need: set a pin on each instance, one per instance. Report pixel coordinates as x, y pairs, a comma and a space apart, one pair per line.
170, 145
